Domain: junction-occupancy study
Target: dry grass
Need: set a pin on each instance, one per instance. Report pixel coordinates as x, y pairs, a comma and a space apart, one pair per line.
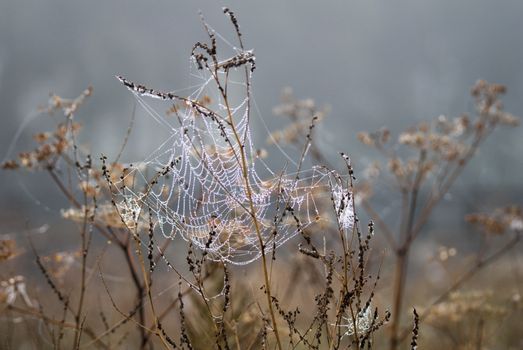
128, 286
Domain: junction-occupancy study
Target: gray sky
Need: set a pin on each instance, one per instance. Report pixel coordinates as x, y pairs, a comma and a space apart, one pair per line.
375, 62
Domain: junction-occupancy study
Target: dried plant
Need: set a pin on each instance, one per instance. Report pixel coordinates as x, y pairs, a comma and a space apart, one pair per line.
270, 259
424, 163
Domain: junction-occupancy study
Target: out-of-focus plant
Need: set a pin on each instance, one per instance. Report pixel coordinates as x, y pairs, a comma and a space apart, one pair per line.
212, 307
437, 153
424, 163
328, 299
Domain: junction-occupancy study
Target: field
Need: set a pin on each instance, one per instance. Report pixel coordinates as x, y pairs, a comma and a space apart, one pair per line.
205, 245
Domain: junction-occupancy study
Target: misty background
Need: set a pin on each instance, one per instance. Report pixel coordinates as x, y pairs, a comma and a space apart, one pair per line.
376, 63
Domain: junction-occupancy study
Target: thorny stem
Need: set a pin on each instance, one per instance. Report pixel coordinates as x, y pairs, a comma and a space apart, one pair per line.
85, 243
139, 289
345, 246
245, 173
252, 209
354, 325
256, 224
147, 289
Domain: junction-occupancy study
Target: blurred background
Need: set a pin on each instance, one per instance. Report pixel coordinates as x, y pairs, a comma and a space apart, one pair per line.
375, 64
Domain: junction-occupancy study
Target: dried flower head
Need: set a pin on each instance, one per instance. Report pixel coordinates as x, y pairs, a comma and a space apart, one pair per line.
12, 288
462, 305
300, 113
58, 264
8, 248
499, 221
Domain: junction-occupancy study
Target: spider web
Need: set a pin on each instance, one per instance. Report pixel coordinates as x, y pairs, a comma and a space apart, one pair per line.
208, 188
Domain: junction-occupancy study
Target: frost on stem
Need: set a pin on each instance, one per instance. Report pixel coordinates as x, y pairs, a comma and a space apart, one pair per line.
343, 206
360, 325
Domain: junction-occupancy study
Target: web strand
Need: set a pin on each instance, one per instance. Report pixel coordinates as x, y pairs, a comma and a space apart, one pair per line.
200, 189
